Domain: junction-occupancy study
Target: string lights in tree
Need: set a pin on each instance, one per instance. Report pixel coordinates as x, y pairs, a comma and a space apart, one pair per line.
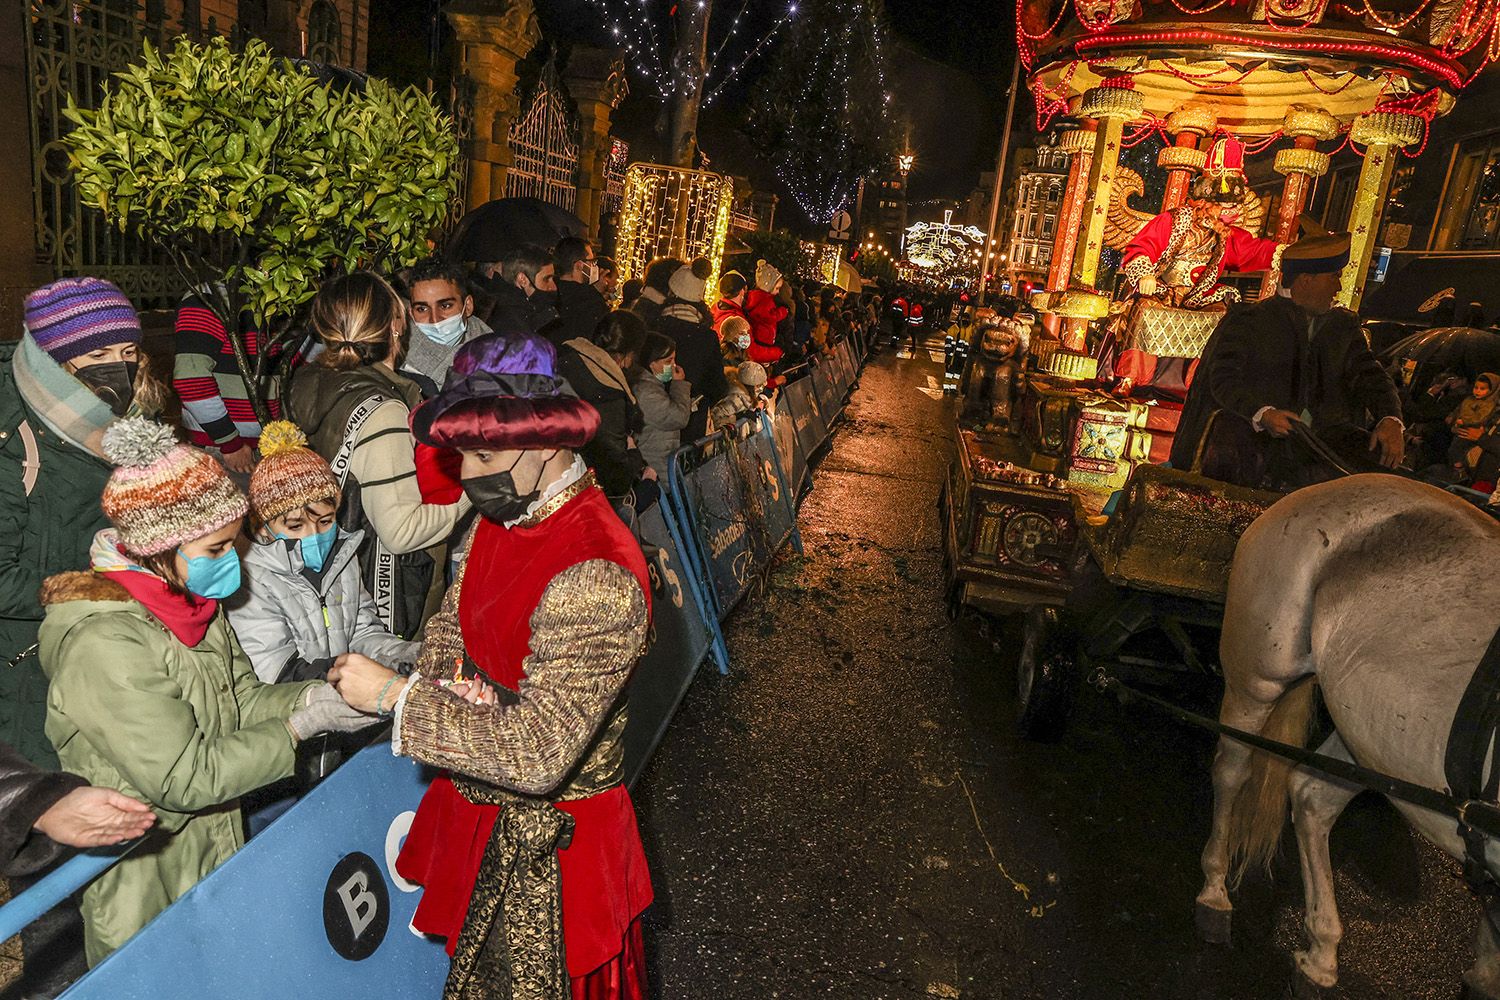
821, 114
645, 29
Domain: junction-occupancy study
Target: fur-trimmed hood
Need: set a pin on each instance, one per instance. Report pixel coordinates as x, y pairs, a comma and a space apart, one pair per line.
80, 585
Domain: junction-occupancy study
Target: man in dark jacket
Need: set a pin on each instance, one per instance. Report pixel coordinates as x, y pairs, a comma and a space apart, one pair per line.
655, 289
683, 320
522, 292
580, 307
1291, 358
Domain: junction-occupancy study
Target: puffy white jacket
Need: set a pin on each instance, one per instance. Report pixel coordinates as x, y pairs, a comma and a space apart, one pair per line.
293, 630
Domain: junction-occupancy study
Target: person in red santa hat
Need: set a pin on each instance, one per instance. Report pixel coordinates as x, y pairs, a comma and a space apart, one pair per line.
1182, 255
527, 845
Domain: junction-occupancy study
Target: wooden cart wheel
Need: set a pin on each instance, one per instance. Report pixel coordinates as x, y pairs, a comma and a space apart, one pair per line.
1045, 677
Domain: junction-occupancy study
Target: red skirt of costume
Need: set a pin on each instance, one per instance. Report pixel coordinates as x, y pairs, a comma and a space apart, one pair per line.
605, 882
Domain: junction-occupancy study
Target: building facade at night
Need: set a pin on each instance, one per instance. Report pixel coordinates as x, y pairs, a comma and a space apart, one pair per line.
1042, 175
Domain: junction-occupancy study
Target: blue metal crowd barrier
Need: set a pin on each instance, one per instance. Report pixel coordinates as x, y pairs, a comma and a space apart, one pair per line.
312, 906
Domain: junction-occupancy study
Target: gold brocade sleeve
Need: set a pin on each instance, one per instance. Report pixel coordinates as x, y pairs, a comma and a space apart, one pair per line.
442, 637
586, 635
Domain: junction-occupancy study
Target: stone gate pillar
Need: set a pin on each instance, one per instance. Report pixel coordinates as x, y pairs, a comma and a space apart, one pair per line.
596, 80
493, 36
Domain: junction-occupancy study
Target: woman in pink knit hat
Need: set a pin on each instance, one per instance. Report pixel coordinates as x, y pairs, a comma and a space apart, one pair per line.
76, 369
151, 693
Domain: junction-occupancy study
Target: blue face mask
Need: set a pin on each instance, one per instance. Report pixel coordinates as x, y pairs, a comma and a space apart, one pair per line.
214, 578
315, 547
445, 332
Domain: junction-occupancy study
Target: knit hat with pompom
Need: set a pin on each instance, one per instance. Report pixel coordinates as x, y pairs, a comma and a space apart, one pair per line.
767, 278
290, 474
163, 494
690, 281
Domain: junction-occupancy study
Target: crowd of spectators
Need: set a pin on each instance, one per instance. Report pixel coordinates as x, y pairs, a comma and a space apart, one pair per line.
141, 564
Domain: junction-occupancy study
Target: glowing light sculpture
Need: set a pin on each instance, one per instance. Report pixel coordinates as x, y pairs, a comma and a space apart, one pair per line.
673, 212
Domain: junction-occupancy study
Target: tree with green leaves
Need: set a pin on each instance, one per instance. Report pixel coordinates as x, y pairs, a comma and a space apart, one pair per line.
821, 114
259, 180
779, 248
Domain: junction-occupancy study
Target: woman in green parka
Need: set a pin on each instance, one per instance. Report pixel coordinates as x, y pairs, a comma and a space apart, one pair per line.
75, 370
150, 692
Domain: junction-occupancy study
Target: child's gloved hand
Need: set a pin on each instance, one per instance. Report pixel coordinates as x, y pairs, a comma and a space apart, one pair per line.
326, 712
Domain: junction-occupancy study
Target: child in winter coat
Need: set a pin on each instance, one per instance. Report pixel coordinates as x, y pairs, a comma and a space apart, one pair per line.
150, 693
666, 401
303, 605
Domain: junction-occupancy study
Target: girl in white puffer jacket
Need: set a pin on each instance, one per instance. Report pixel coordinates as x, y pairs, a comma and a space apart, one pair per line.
302, 605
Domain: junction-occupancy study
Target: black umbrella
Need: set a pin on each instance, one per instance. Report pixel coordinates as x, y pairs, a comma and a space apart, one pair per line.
494, 229
1459, 350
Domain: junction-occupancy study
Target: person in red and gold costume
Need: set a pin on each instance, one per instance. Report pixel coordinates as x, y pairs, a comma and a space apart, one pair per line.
1181, 256
527, 845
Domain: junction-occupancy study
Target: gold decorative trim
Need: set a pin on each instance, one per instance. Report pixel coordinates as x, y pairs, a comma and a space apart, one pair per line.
1076, 141
1301, 161
557, 503
1181, 158
1387, 128
1314, 123
1112, 102
1078, 304
1192, 118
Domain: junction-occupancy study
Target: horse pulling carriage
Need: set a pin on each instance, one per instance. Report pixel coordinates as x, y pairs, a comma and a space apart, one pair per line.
1347, 582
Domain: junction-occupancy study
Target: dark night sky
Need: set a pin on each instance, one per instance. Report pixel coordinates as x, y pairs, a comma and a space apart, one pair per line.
950, 64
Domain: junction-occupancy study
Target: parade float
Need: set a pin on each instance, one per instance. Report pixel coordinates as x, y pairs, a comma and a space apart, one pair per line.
1057, 503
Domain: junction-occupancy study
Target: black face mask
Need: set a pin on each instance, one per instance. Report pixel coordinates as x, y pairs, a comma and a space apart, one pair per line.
497, 497
113, 382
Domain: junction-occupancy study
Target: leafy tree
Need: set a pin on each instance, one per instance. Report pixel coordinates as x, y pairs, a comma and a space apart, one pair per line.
779, 248
821, 113
259, 180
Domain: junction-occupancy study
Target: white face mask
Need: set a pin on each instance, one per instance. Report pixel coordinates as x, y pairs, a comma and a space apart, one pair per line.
590, 272
446, 332
742, 342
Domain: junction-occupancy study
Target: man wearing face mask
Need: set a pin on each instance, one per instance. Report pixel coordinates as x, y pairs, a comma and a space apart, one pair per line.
530, 747
76, 368
442, 320
580, 307
1293, 358
522, 290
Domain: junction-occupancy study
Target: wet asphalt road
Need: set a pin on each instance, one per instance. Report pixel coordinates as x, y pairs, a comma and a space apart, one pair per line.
849, 814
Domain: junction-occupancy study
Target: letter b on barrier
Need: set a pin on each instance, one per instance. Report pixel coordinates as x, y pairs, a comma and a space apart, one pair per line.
356, 907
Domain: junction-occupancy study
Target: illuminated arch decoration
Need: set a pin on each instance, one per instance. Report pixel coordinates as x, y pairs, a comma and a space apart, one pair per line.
942, 248
673, 212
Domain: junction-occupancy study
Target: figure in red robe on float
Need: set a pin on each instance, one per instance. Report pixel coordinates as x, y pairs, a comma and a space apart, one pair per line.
1181, 256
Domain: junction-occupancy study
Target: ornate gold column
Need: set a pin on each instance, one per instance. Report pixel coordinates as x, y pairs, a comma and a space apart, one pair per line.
1382, 133
596, 80
1079, 145
1112, 104
493, 36
1299, 165
1184, 159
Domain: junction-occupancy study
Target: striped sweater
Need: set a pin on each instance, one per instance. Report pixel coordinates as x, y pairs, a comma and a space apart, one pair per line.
216, 410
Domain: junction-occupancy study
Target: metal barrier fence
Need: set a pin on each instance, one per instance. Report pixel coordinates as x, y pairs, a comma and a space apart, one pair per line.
312, 906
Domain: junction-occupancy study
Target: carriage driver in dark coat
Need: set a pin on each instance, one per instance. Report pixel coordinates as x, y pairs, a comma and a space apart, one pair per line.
1287, 358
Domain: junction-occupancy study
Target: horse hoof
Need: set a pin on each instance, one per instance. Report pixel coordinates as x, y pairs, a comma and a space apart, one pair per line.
1213, 924
1305, 989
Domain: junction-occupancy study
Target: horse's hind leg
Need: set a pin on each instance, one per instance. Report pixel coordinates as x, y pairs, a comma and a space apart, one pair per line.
1230, 771
1483, 978
1317, 801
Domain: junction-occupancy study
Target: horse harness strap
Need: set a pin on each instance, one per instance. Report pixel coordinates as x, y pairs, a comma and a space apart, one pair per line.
1472, 761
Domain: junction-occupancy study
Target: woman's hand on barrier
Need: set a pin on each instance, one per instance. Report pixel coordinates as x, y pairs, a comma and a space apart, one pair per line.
360, 681
95, 817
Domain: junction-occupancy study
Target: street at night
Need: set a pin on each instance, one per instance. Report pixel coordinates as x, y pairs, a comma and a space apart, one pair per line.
848, 814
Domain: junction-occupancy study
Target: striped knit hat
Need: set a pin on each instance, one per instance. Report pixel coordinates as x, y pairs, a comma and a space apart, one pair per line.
290, 475
163, 494
74, 316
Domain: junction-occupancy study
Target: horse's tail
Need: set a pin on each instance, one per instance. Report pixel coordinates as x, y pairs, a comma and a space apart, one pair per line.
1259, 812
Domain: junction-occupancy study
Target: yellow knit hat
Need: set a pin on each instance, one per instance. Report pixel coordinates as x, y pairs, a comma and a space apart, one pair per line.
290, 475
